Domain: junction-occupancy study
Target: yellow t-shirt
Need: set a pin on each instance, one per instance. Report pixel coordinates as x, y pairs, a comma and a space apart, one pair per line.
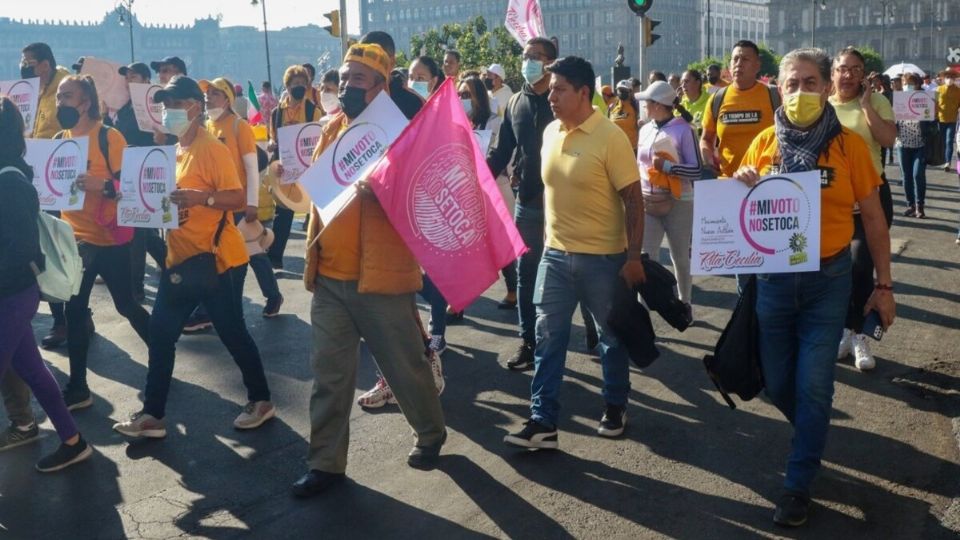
853, 118
583, 170
47, 124
743, 114
696, 109
625, 117
846, 177
88, 223
206, 165
948, 101
237, 135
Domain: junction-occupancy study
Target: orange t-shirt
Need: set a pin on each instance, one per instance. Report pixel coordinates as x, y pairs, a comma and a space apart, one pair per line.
743, 114
88, 223
237, 135
340, 239
847, 176
206, 165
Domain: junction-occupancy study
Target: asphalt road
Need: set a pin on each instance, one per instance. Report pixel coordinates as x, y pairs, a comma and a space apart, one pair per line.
687, 467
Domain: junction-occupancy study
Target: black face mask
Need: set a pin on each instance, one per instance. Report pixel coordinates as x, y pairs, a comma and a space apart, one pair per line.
67, 116
488, 83
297, 92
712, 79
353, 101
624, 95
28, 72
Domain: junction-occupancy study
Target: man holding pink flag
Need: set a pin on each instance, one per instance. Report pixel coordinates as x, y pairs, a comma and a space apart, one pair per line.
593, 206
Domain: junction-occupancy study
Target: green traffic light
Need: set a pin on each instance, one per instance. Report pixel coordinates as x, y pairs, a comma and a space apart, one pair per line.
639, 6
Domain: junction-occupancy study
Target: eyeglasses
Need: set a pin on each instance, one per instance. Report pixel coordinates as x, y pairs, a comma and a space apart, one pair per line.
845, 70
465, 95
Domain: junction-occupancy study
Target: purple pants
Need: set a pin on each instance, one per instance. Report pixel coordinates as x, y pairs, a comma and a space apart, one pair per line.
18, 349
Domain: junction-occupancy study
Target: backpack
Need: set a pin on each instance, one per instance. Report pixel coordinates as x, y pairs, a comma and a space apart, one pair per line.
721, 93
60, 279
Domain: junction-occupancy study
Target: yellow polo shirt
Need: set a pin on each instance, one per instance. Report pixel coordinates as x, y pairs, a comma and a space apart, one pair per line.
583, 171
852, 117
47, 124
948, 101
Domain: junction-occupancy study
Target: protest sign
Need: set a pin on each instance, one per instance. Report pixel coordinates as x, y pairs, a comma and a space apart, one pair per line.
57, 163
918, 105
148, 114
25, 94
111, 86
148, 177
772, 227
524, 20
297, 143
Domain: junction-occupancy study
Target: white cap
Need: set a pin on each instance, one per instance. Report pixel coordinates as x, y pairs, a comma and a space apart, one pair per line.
498, 70
660, 92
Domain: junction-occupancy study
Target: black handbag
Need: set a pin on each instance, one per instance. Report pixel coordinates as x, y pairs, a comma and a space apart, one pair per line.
932, 143
734, 367
196, 277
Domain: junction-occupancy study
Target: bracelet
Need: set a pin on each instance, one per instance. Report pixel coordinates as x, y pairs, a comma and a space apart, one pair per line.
882, 287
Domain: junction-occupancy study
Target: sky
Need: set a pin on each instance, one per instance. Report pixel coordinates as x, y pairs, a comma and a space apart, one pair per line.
280, 13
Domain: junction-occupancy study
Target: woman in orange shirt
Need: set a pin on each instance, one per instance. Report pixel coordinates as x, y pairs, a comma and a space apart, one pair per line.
104, 247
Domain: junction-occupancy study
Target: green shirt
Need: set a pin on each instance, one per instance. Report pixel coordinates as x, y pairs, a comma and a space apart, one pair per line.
695, 108
853, 118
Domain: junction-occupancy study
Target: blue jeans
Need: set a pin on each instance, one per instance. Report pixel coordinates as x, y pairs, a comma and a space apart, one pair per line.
563, 280
948, 130
263, 270
438, 307
226, 311
530, 224
913, 165
801, 321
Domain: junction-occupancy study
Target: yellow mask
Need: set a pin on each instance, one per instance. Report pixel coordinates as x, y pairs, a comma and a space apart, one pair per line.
803, 108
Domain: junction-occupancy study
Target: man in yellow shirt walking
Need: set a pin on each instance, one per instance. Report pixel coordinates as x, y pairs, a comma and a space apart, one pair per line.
948, 103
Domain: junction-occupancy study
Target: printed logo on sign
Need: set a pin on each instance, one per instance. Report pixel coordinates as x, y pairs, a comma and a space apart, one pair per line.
20, 93
154, 110
765, 219
919, 104
740, 117
306, 141
445, 200
60, 174
153, 188
359, 146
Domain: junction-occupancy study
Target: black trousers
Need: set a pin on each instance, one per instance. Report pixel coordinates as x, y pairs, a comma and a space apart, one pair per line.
145, 241
282, 223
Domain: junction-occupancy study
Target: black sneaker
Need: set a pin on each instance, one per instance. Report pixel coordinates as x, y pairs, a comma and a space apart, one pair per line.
197, 323
65, 456
426, 458
791, 510
316, 482
534, 435
77, 397
13, 436
272, 309
613, 421
522, 359
55, 338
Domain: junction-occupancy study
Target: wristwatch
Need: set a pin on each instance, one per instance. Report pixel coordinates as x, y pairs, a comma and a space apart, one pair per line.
210, 200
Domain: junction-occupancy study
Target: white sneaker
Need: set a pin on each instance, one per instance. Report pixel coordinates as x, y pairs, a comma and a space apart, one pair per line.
846, 344
254, 414
378, 396
861, 351
142, 424
437, 369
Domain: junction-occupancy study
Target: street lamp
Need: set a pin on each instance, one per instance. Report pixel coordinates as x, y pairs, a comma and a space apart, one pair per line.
126, 15
883, 23
266, 39
813, 20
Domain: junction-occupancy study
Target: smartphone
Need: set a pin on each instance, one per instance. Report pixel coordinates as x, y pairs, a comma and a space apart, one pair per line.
109, 191
872, 326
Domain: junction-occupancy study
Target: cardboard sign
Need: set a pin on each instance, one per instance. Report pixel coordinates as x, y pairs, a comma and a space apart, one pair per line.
111, 86
148, 177
297, 143
57, 164
148, 114
25, 94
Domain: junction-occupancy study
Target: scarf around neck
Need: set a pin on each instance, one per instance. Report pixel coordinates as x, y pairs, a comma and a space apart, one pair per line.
800, 150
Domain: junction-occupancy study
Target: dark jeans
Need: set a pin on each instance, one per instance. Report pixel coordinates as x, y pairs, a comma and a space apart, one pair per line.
510, 276
226, 311
112, 263
438, 307
913, 165
282, 223
862, 274
530, 224
145, 241
948, 131
801, 321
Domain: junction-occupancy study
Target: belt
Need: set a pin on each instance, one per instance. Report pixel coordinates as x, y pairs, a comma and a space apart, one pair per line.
834, 257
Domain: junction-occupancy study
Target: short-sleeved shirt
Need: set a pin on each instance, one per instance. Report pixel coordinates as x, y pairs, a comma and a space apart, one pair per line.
47, 125
625, 117
847, 176
853, 118
206, 165
89, 224
695, 108
948, 101
743, 114
237, 135
583, 171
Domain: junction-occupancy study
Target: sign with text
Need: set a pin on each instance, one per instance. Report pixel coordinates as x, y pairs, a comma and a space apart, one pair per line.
148, 177
773, 227
149, 114
297, 143
916, 105
25, 94
355, 151
524, 20
57, 164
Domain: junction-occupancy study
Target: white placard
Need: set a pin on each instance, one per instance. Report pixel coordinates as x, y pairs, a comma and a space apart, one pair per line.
297, 143
483, 139
149, 114
355, 151
773, 227
148, 177
25, 94
917, 105
111, 86
57, 163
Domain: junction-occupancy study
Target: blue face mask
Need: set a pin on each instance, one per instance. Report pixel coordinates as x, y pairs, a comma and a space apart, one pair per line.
467, 106
909, 87
421, 87
176, 121
532, 71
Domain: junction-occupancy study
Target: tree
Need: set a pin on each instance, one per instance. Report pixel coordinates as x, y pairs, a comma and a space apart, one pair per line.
874, 62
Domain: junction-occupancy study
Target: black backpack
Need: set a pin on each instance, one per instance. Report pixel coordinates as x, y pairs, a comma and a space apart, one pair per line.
717, 102
734, 367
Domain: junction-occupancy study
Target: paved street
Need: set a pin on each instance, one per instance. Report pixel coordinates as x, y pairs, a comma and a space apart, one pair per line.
687, 467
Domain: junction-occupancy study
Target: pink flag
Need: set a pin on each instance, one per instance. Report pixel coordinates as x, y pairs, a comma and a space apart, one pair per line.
437, 191
524, 20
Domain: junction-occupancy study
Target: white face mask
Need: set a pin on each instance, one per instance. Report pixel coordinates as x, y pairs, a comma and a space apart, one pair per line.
214, 113
467, 106
330, 102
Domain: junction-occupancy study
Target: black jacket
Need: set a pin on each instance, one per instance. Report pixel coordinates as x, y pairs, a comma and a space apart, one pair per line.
660, 295
126, 124
630, 323
405, 99
19, 233
526, 116
734, 367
